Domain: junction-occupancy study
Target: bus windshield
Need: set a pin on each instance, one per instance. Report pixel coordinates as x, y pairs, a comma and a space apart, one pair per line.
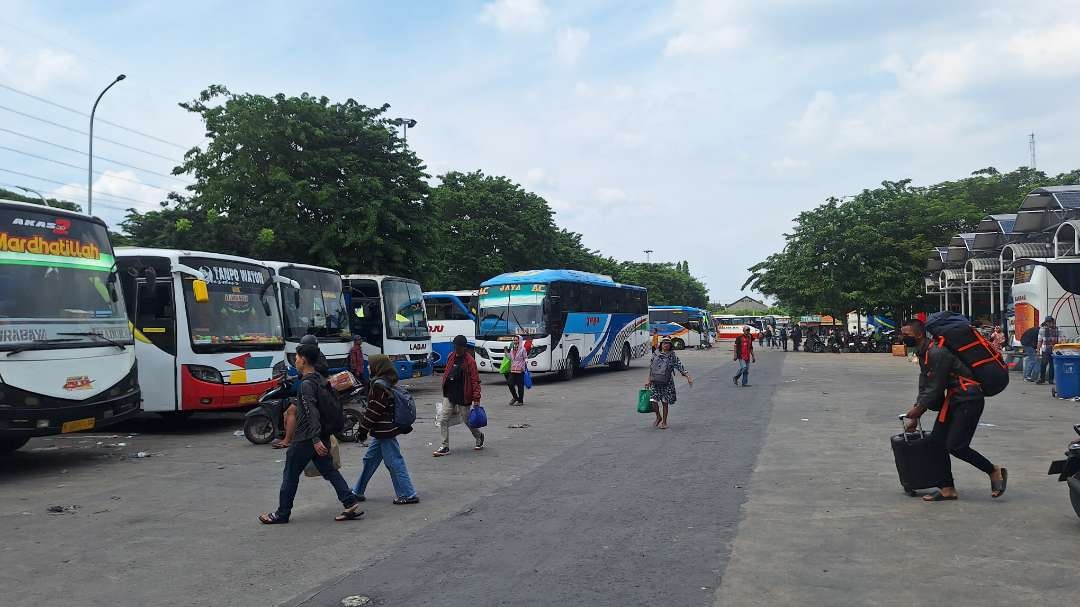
59, 288
404, 304
240, 315
322, 309
512, 310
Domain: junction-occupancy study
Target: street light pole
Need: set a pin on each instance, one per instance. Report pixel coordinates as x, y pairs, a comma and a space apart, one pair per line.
648, 252
33, 191
90, 165
405, 124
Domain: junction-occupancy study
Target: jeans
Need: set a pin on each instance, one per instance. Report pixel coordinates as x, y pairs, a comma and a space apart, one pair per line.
296, 459
516, 381
386, 450
1031, 363
1046, 362
744, 371
955, 434
461, 411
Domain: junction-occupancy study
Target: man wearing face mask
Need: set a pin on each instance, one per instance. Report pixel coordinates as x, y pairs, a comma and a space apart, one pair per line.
946, 386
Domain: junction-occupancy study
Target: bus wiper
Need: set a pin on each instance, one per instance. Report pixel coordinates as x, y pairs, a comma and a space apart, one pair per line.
40, 342
97, 335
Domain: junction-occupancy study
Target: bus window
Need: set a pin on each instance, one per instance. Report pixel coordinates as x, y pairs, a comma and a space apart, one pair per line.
1023, 274
155, 317
404, 303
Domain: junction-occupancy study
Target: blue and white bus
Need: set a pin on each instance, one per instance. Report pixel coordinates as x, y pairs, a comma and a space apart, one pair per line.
388, 312
449, 314
574, 319
687, 327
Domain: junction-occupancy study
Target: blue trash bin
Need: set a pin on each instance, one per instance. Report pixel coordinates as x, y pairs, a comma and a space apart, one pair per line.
1067, 375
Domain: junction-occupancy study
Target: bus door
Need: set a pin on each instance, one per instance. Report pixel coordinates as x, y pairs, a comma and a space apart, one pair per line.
155, 343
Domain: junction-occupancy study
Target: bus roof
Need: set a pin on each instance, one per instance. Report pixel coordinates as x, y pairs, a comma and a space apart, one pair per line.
176, 254
376, 277
434, 294
547, 276
278, 265
683, 308
40, 208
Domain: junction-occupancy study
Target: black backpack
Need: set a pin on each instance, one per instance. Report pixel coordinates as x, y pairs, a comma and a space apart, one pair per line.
331, 414
953, 331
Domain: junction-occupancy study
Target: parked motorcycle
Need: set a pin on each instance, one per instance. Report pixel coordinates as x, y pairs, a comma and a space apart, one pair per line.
266, 421
1068, 470
814, 344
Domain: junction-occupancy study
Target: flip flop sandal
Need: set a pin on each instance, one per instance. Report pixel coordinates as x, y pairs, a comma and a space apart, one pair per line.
350, 514
997, 488
272, 518
937, 496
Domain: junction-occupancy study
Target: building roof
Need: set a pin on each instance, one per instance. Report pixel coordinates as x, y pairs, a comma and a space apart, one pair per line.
746, 299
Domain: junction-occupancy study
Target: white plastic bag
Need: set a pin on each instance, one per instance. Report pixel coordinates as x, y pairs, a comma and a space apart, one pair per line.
442, 414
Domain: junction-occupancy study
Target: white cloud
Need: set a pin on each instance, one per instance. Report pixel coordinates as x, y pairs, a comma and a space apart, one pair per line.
38, 70
705, 27
1054, 50
790, 166
610, 195
817, 118
123, 184
516, 15
570, 44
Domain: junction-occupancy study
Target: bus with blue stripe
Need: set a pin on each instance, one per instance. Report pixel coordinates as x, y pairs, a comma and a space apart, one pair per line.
687, 327
573, 320
388, 312
449, 314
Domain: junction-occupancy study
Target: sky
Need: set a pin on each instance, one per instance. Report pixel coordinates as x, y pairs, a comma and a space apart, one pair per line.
697, 129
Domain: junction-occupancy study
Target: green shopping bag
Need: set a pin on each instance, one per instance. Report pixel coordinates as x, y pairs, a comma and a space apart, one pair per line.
644, 402
504, 368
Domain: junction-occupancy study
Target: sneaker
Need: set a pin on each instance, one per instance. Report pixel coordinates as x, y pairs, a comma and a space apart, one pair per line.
1040, 382
479, 443
441, 452
1028, 379
735, 380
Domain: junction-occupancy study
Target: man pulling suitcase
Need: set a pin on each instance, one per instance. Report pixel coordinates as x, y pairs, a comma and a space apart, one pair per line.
947, 386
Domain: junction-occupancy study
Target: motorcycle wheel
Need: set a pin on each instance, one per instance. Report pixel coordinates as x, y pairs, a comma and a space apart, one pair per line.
1074, 495
351, 433
258, 429
817, 348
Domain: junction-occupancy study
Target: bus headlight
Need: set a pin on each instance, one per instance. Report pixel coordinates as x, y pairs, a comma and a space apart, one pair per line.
207, 374
537, 350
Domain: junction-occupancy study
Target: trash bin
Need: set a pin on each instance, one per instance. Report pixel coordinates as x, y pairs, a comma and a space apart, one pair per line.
1066, 375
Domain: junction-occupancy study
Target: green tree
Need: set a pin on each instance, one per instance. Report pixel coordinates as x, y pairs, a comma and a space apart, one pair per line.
6, 194
298, 178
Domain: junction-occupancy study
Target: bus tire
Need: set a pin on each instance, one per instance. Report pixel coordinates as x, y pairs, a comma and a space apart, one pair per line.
678, 344
259, 429
176, 416
7, 445
571, 368
624, 359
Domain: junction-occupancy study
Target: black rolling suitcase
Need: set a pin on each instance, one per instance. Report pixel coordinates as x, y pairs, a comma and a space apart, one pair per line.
920, 463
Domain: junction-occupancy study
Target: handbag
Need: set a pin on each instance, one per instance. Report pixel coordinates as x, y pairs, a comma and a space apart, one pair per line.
335, 455
528, 380
644, 402
477, 417
504, 368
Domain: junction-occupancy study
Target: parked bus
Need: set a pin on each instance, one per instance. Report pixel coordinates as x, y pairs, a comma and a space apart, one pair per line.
685, 326
1036, 294
388, 312
728, 326
315, 308
68, 360
449, 314
208, 331
574, 319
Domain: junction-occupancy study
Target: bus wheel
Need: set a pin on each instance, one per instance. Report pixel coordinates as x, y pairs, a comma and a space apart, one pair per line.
7, 445
624, 359
571, 367
176, 416
259, 429
678, 344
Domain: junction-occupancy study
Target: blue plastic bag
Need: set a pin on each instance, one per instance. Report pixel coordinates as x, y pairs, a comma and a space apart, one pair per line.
477, 417
528, 380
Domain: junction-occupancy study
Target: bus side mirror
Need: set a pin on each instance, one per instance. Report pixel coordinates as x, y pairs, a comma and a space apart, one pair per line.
296, 298
202, 294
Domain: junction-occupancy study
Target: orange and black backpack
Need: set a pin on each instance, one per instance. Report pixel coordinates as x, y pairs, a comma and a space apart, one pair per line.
954, 331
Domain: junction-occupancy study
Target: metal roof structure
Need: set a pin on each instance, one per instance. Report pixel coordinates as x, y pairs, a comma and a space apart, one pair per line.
1044, 208
1067, 239
995, 231
937, 259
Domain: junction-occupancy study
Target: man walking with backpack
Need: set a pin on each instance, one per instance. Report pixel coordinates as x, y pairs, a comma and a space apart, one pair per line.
946, 385
311, 441
744, 354
378, 420
461, 392
1030, 342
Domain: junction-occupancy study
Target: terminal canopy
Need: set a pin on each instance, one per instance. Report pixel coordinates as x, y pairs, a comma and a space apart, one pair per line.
1045, 208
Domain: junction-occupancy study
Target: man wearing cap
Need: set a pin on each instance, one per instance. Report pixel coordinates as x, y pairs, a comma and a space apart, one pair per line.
461, 391
1048, 338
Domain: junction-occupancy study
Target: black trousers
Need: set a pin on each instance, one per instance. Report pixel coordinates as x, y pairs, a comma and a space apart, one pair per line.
955, 434
296, 459
1046, 361
516, 382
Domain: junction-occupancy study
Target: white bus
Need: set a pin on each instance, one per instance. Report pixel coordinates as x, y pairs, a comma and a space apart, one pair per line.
388, 312
687, 327
208, 331
449, 314
316, 308
1036, 294
67, 361
729, 326
574, 320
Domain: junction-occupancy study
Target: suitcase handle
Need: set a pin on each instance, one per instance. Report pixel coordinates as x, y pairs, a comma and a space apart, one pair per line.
903, 426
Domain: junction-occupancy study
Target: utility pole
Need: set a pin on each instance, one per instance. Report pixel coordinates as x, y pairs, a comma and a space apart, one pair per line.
1031, 144
648, 252
90, 165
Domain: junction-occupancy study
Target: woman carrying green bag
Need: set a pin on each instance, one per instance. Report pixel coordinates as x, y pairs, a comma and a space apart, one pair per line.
644, 401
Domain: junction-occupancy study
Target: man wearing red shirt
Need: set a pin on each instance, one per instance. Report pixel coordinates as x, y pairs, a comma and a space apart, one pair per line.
744, 353
461, 392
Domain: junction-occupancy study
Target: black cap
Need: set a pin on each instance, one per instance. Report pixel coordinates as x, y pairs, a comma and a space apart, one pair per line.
310, 340
461, 340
